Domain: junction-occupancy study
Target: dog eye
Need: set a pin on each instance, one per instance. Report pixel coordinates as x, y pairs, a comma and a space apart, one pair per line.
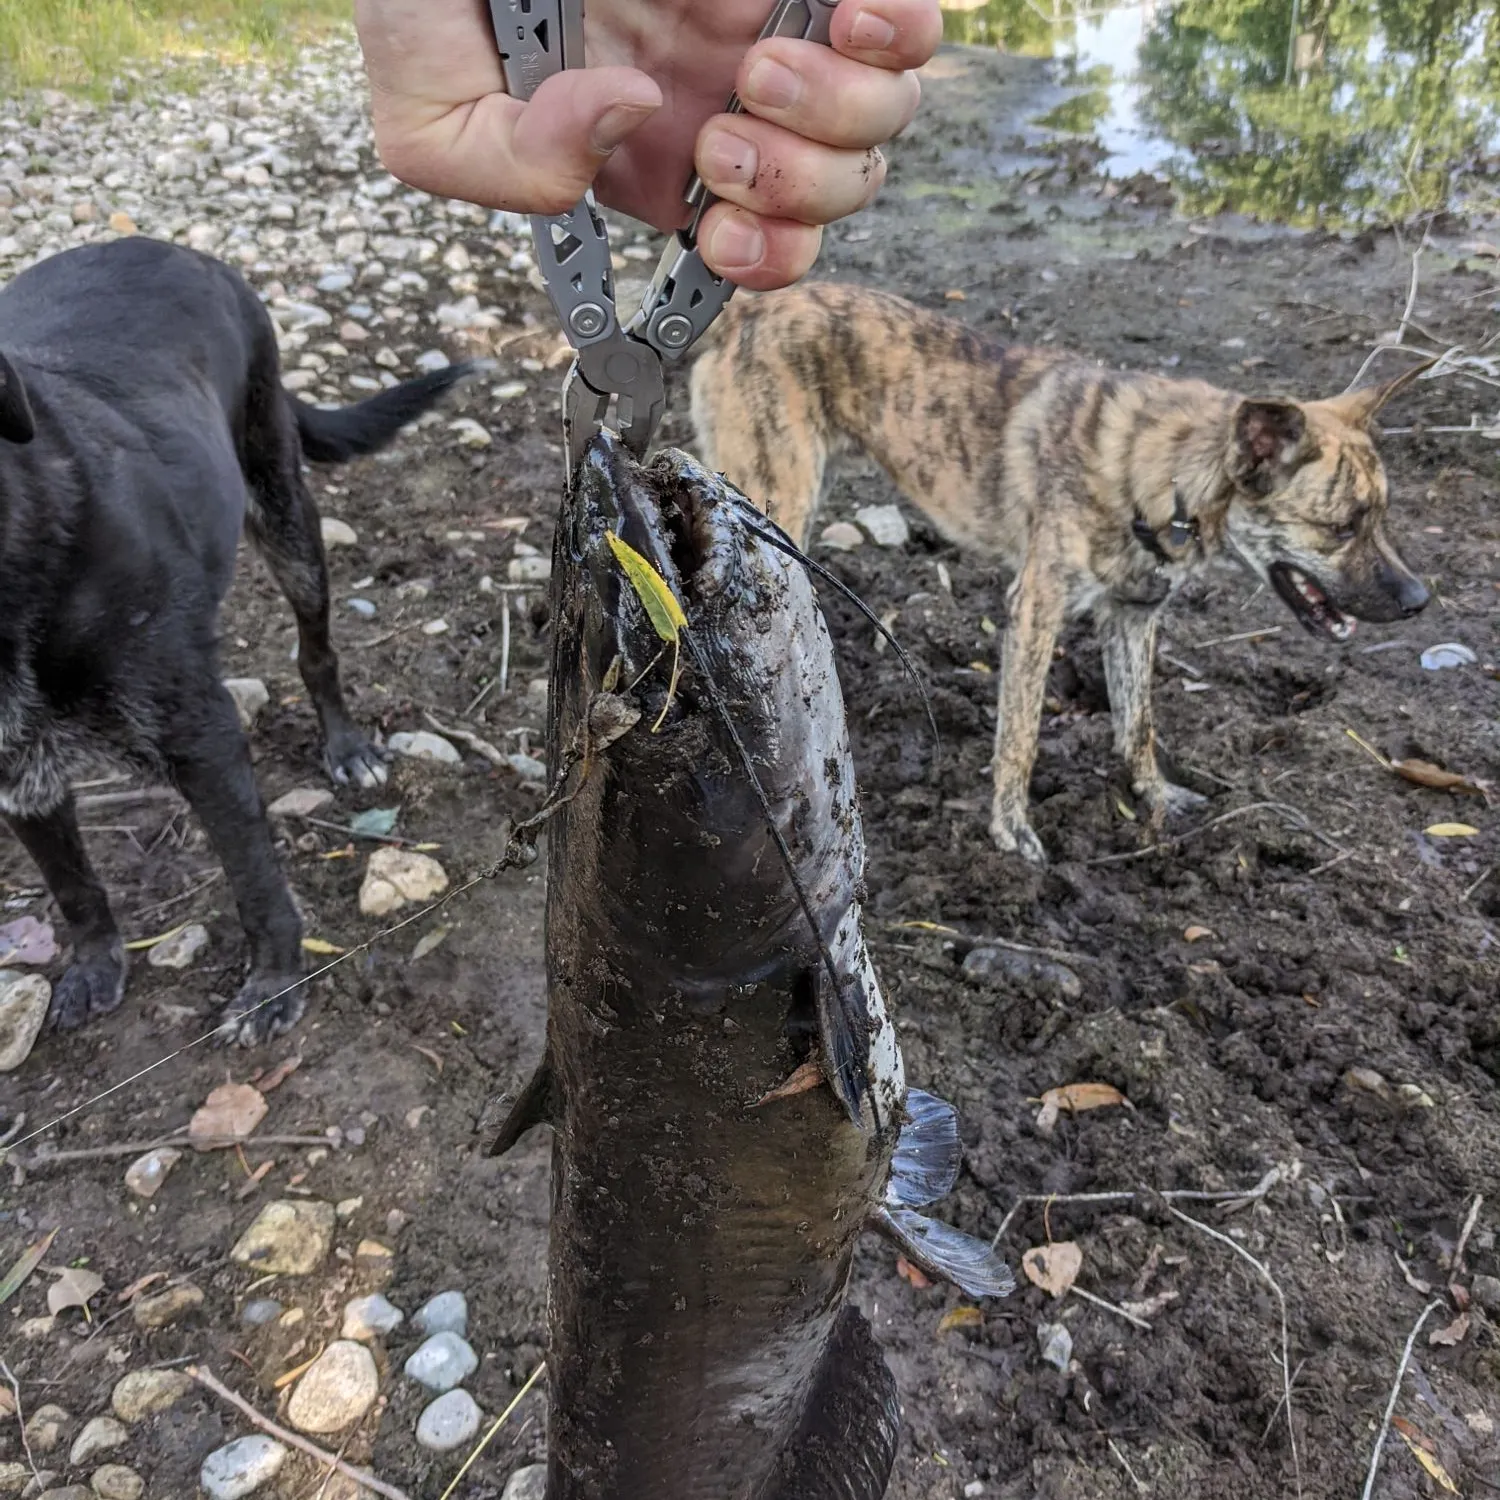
1345, 531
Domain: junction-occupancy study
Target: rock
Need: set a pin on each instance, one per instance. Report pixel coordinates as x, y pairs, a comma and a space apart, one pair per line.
166, 1307
179, 950
299, 380
420, 745
121, 222
260, 1310
290, 1237
68, 1492
100, 1435
336, 281
395, 877
338, 1389
449, 1422
338, 533
28, 941
14, 1478
529, 1483
457, 259
353, 333
470, 433
241, 1467
143, 1393
24, 999
442, 1362
374, 1259
527, 767
370, 1317
842, 536
432, 360
145, 1175
885, 525
1486, 1291
346, 1208
986, 965
45, 1427
116, 1482
448, 1312
529, 569
1056, 1344
301, 802
250, 696
510, 390
363, 608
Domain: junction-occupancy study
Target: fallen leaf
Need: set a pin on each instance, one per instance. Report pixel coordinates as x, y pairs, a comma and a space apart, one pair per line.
140, 1284
1053, 1267
374, 822
660, 604
7, 1403
73, 1288
1428, 1462
20, 1273
1196, 934
804, 1078
1075, 1098
955, 294
908, 1272
430, 941
1415, 1433
960, 1317
279, 1074
1454, 1333
321, 945
1424, 773
141, 945
230, 1113
429, 1054
1450, 831
1125, 811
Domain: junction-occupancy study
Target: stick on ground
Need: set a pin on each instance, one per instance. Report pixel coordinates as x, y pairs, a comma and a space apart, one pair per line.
1390, 1406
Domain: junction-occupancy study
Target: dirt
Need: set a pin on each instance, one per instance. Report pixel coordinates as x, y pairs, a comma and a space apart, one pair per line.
1338, 936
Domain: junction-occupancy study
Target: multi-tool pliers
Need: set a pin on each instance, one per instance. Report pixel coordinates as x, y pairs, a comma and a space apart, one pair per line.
538, 38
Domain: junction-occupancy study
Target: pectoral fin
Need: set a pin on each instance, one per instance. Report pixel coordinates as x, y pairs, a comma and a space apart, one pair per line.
534, 1106
945, 1253
928, 1153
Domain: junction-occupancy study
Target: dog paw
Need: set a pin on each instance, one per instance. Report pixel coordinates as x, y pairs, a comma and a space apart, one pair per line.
358, 764
1013, 835
266, 1006
93, 986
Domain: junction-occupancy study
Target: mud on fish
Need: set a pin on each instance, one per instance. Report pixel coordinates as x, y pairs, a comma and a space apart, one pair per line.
704, 943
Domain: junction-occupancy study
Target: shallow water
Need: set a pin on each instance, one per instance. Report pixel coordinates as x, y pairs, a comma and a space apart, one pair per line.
1339, 113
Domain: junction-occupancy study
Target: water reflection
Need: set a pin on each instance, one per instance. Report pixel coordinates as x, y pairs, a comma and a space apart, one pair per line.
1329, 112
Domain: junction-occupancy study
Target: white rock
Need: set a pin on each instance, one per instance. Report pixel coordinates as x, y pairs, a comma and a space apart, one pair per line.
457, 259
527, 767
143, 1393
433, 359
250, 696
449, 1422
420, 745
395, 877
145, 1175
885, 524
337, 533
470, 433
338, 1389
448, 1312
842, 536
529, 1483
529, 569
179, 950
442, 1362
370, 1317
100, 1435
24, 999
290, 1237
510, 390
336, 281
241, 1467
299, 380
301, 802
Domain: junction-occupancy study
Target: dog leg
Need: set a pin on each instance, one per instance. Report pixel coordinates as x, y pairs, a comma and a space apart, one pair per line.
1036, 607
1127, 636
94, 983
210, 762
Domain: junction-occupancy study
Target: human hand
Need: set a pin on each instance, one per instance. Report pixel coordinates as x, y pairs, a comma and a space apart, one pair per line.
648, 110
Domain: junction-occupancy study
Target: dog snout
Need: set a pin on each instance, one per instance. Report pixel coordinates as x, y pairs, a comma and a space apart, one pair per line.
1412, 595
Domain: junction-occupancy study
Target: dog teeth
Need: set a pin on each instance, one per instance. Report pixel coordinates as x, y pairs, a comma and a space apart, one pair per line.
1341, 629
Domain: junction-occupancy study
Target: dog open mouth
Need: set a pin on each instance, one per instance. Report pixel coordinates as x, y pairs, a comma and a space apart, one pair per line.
1309, 603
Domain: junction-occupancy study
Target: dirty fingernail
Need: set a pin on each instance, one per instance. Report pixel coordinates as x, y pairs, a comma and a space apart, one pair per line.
726, 158
871, 32
773, 85
736, 245
611, 128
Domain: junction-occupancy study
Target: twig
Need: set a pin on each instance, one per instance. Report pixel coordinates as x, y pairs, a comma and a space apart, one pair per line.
1141, 1486
499, 1422
1468, 1229
137, 794
1390, 1406
15, 1386
209, 1381
1475, 886
1240, 635
476, 743
193, 890
14, 1129
505, 647
1328, 864
1411, 302
1119, 1312
938, 929
1286, 1354
1239, 812
139, 1148
356, 833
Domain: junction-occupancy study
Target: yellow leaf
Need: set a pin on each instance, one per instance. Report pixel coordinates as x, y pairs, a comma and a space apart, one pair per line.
658, 600
1450, 831
982, 667
1054, 1268
960, 1317
320, 945
1128, 813
1428, 1462
141, 944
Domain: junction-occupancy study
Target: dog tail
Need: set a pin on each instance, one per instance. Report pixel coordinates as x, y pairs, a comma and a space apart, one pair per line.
334, 437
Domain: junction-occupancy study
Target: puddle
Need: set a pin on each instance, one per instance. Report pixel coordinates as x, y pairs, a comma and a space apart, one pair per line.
1342, 113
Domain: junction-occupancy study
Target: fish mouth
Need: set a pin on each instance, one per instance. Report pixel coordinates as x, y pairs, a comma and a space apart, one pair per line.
1316, 612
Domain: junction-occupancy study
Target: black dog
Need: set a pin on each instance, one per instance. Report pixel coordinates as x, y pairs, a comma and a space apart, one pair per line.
143, 423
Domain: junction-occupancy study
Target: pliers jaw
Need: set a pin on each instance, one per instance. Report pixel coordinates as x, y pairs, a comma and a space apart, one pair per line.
619, 367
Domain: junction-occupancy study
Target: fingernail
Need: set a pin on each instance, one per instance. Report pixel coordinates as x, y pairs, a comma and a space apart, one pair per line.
727, 159
871, 32
773, 85
611, 128
736, 245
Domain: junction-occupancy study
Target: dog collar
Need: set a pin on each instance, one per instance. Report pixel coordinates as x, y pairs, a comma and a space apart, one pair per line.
1182, 531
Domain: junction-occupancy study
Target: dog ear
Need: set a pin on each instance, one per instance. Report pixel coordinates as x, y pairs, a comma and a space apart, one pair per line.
1269, 443
1359, 408
17, 425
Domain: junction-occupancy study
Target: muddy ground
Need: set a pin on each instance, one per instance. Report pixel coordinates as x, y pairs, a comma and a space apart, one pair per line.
1339, 936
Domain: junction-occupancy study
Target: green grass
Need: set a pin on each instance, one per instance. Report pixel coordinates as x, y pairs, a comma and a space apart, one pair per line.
93, 46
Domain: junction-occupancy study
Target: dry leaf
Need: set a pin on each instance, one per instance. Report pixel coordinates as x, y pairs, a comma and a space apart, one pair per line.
430, 941
20, 1273
1054, 1267
804, 1078
1428, 1462
955, 294
7, 1403
1076, 1097
1149, 1307
1125, 810
230, 1113
321, 946
960, 1317
1454, 1333
1415, 1433
1450, 831
73, 1288
279, 1074
140, 1284
1196, 934
908, 1272
1424, 773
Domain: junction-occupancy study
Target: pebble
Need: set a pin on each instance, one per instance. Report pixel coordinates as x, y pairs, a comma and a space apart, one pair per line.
527, 767
142, 1393
241, 1467
335, 281
99, 1435
338, 1389
1056, 1344
166, 1307
346, 1208
395, 877
250, 697
529, 569
24, 999
290, 1237
471, 433
885, 524
371, 1317
68, 1492
116, 1482
442, 1362
363, 608
421, 745
986, 965
302, 802
448, 1422
842, 536
973, 1488
1486, 1291
260, 1310
529, 1483
45, 1426
510, 390
179, 950
338, 533
448, 1312
14, 1478
431, 361
145, 1175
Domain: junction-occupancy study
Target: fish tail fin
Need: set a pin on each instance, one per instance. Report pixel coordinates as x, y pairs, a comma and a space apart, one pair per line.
946, 1253
928, 1153
845, 1445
